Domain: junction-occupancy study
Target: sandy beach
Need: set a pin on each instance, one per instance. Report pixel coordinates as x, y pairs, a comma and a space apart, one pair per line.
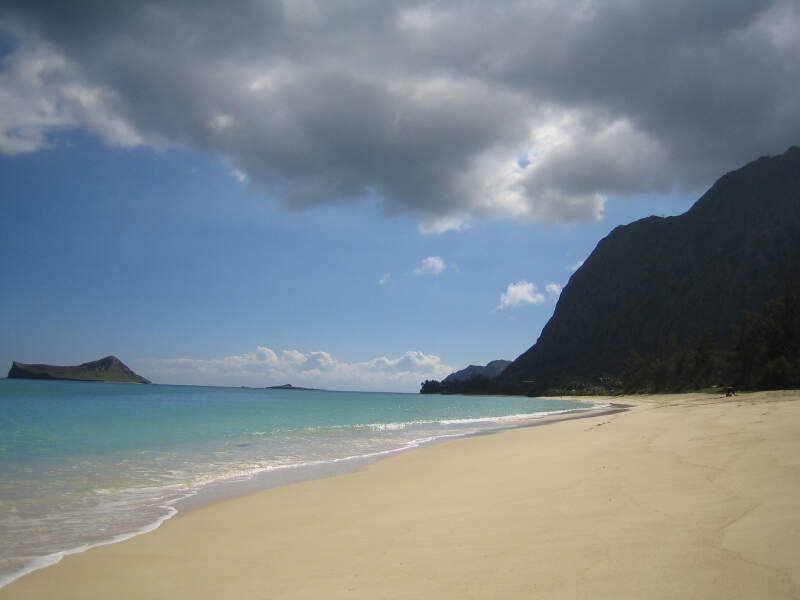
686, 496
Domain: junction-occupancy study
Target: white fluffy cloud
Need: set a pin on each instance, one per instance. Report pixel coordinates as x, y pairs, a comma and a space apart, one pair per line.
522, 292
533, 111
553, 290
264, 367
432, 265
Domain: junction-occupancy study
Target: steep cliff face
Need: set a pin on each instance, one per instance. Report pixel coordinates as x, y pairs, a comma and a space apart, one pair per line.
109, 369
689, 275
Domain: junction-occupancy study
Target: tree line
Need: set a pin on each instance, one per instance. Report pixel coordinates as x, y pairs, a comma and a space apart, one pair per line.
477, 384
763, 354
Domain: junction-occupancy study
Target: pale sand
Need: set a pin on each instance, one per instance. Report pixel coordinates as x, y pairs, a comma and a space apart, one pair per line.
681, 497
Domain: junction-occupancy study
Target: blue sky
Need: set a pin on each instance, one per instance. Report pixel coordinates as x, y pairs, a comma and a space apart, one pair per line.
244, 212
162, 255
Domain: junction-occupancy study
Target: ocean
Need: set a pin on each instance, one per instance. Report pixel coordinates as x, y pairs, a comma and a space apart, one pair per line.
84, 464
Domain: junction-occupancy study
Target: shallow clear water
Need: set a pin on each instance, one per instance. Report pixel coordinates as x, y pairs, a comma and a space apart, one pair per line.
88, 463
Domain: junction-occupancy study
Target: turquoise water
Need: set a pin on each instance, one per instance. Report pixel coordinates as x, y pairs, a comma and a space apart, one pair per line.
83, 464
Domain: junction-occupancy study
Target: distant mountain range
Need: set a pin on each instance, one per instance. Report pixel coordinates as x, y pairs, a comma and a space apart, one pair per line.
475, 379
110, 369
490, 371
675, 277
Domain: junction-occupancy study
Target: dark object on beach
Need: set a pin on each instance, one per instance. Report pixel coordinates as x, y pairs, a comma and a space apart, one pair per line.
729, 391
683, 277
109, 369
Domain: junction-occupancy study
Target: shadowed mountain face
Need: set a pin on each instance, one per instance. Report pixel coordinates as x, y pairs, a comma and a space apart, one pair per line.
690, 275
490, 371
109, 369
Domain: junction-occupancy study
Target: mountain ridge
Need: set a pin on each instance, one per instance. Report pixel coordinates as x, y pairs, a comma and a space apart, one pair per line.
490, 370
693, 274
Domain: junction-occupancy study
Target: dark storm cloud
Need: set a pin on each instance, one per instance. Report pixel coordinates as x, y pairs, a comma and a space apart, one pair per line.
444, 110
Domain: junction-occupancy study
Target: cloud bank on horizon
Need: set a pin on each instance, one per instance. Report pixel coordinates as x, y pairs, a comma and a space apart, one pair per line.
264, 367
444, 111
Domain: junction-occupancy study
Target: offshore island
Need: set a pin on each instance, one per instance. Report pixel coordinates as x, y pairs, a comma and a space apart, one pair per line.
109, 369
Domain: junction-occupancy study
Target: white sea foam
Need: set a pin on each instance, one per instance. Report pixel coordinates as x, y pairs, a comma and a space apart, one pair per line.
137, 490
39, 562
190, 487
523, 416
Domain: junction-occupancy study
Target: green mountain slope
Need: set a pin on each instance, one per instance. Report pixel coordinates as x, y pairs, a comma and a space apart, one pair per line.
109, 369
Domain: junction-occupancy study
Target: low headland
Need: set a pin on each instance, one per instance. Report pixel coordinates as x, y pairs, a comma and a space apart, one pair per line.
108, 369
289, 386
690, 496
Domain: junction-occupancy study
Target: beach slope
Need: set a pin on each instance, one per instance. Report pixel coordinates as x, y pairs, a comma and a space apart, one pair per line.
689, 496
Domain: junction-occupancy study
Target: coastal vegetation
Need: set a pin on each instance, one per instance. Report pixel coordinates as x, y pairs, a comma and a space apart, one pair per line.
477, 384
764, 355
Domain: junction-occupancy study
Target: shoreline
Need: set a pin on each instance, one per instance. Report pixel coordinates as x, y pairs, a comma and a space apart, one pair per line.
291, 474
238, 486
437, 506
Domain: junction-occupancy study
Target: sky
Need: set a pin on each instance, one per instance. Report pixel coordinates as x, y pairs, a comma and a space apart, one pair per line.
352, 195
